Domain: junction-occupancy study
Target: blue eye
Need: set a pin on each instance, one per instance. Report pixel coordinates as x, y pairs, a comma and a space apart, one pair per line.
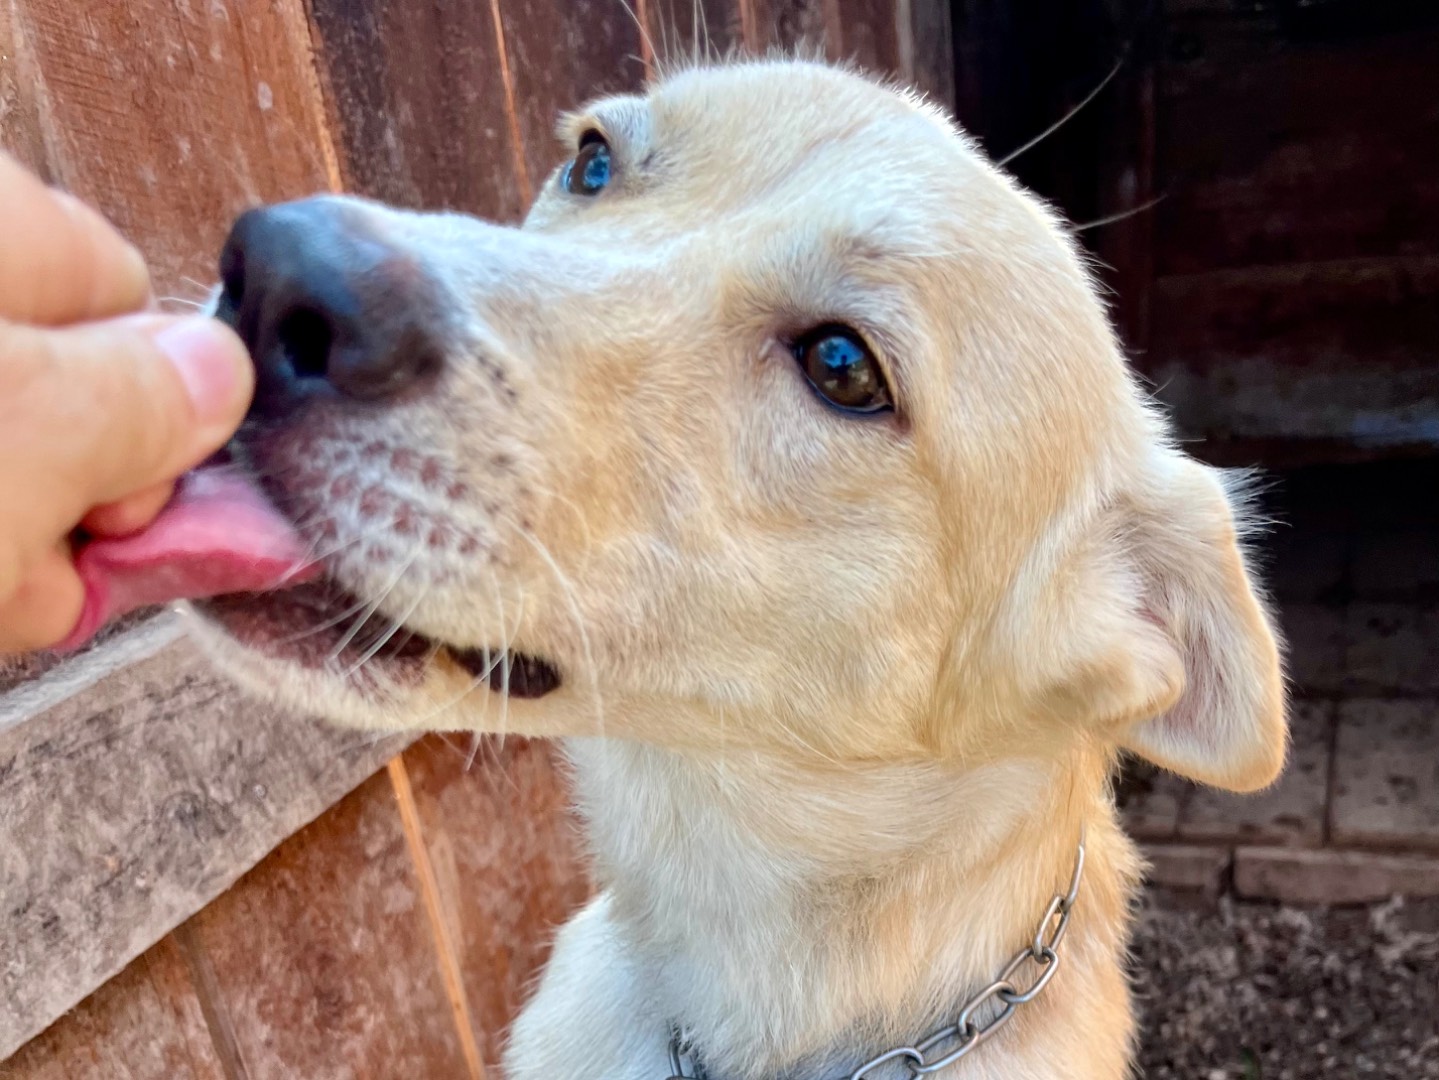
842, 370
590, 171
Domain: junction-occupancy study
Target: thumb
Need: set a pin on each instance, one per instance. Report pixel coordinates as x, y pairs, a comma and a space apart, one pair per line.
114, 407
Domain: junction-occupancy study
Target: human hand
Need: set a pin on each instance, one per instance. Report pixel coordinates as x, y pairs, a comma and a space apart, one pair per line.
103, 403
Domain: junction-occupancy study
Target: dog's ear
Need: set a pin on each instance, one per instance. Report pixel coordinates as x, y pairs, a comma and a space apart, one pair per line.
1151, 632
1198, 604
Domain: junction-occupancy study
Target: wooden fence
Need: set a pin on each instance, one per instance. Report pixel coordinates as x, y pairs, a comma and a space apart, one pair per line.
192, 886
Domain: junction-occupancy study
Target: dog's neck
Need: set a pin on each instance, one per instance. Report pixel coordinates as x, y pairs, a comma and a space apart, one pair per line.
795, 920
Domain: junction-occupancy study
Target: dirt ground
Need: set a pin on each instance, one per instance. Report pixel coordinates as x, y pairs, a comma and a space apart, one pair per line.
1232, 990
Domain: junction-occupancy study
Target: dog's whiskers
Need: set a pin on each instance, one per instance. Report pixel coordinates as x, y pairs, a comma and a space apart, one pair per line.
574, 507
491, 662
567, 589
1066, 118
477, 681
369, 611
507, 669
1120, 215
477, 739
396, 625
640, 26
205, 290
320, 627
181, 301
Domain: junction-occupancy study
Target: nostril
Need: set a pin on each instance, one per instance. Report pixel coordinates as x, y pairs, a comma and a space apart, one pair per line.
328, 309
306, 336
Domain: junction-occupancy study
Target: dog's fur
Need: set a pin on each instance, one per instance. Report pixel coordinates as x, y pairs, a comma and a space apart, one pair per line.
840, 693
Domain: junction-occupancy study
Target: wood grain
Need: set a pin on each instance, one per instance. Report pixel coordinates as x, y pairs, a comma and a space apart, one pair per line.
171, 117
1274, 150
1124, 143
22, 94
682, 30
811, 26
925, 48
1339, 351
507, 863
447, 957
421, 103
323, 961
19, 668
145, 1024
131, 802
562, 53
866, 32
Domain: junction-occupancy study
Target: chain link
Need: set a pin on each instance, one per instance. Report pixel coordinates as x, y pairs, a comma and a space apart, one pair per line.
959, 1038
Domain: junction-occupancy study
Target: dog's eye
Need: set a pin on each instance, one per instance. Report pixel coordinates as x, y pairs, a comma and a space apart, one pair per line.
589, 172
839, 365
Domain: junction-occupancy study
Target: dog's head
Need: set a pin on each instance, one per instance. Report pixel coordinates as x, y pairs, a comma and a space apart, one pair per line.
785, 421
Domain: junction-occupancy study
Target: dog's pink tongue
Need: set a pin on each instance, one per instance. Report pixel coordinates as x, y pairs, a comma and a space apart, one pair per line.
217, 535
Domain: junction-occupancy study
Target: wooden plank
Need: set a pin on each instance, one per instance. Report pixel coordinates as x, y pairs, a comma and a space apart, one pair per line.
134, 797
866, 32
17, 669
809, 25
323, 960
925, 48
1040, 90
173, 117
1018, 73
1276, 150
910, 39
22, 94
507, 861
400, 118
1124, 140
145, 1023
1340, 351
561, 54
420, 95
681, 30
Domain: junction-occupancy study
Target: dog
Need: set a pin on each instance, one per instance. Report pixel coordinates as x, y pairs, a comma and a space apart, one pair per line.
783, 464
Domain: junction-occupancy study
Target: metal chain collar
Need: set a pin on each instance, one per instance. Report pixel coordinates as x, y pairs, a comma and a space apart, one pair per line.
952, 1042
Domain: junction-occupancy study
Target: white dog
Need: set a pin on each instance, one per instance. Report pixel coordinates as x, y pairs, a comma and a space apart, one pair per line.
785, 464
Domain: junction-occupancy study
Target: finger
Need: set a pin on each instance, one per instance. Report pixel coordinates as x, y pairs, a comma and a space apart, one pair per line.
63, 262
93, 414
130, 514
47, 604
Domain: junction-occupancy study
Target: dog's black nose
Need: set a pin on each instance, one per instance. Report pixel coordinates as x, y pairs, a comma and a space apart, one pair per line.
327, 307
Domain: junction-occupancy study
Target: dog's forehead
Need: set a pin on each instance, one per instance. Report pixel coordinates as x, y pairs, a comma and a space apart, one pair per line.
766, 133
781, 105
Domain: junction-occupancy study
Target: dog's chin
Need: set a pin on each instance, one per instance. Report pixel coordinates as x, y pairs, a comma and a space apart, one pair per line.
332, 637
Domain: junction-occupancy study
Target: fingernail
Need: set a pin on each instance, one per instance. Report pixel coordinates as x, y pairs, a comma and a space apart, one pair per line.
203, 353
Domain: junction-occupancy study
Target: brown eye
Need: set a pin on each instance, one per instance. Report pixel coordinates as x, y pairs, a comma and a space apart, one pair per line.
839, 365
589, 172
